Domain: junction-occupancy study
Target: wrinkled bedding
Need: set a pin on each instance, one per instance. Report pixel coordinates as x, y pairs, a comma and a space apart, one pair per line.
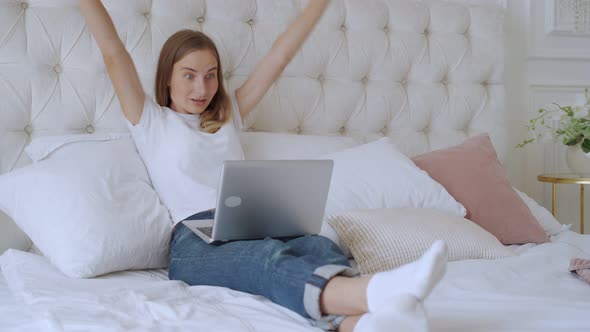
136, 300
13, 315
533, 291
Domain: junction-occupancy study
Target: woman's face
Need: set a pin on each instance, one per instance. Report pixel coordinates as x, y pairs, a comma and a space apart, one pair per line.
194, 82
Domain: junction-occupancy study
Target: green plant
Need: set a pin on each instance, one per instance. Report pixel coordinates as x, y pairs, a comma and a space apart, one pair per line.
571, 124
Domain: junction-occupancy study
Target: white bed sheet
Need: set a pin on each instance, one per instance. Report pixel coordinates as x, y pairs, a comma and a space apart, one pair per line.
532, 291
136, 301
13, 315
529, 292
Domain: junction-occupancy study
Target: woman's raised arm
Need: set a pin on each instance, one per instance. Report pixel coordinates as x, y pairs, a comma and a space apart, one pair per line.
274, 62
117, 60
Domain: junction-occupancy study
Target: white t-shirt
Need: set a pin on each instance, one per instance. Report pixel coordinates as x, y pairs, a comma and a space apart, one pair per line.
184, 163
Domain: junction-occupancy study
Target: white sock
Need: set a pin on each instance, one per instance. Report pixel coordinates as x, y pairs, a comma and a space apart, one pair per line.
364, 323
405, 313
416, 279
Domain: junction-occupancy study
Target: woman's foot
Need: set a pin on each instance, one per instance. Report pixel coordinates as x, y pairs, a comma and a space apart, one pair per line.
416, 279
404, 313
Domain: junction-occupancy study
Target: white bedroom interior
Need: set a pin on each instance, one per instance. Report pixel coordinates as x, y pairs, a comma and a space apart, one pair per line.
546, 59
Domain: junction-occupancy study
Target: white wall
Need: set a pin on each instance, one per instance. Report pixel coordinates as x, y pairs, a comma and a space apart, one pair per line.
546, 62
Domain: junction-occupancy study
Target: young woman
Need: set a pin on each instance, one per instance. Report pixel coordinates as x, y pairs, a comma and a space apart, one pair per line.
184, 137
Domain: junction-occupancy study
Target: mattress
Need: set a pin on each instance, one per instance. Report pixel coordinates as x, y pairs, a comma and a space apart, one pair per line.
532, 291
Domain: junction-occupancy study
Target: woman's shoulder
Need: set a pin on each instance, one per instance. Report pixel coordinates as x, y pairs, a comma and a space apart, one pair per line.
152, 115
150, 104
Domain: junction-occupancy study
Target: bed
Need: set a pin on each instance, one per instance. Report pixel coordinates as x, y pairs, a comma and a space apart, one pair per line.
427, 74
528, 292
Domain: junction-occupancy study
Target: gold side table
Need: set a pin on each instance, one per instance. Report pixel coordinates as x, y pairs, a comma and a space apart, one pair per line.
567, 178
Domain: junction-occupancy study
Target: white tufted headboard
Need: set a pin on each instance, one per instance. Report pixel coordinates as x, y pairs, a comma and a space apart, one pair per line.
427, 73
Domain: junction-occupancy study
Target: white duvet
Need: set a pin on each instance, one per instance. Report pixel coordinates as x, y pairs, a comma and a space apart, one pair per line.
532, 291
137, 300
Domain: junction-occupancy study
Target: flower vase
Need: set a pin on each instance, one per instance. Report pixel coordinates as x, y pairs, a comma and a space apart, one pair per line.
577, 160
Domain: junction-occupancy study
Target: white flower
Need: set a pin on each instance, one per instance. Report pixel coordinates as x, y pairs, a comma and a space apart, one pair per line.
560, 123
580, 112
545, 137
554, 117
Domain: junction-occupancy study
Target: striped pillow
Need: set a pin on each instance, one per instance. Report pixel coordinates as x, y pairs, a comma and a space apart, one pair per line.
382, 239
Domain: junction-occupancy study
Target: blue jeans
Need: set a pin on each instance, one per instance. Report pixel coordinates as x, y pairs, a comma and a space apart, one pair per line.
290, 272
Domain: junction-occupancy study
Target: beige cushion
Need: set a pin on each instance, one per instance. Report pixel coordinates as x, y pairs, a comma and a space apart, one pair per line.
382, 239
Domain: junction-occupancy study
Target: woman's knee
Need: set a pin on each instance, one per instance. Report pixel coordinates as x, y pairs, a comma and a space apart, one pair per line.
188, 244
319, 246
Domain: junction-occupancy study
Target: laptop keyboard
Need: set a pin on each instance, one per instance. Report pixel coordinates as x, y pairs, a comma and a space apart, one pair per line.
206, 230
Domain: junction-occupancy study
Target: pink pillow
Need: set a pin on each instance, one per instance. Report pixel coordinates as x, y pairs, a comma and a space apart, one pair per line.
472, 174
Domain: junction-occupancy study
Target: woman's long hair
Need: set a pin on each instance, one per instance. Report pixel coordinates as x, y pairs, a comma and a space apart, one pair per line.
176, 47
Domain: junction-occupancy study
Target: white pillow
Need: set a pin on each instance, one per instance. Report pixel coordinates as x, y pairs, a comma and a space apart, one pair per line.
383, 239
277, 146
377, 175
551, 226
11, 236
88, 205
265, 146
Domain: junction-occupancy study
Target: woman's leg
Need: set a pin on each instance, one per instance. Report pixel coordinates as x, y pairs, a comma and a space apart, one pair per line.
323, 249
372, 292
301, 282
264, 267
390, 300
345, 296
348, 296
320, 247
349, 324
404, 313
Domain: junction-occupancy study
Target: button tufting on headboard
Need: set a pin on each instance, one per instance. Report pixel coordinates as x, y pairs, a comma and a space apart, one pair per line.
396, 64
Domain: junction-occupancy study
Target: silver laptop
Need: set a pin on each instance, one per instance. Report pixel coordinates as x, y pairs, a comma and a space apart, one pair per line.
267, 198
